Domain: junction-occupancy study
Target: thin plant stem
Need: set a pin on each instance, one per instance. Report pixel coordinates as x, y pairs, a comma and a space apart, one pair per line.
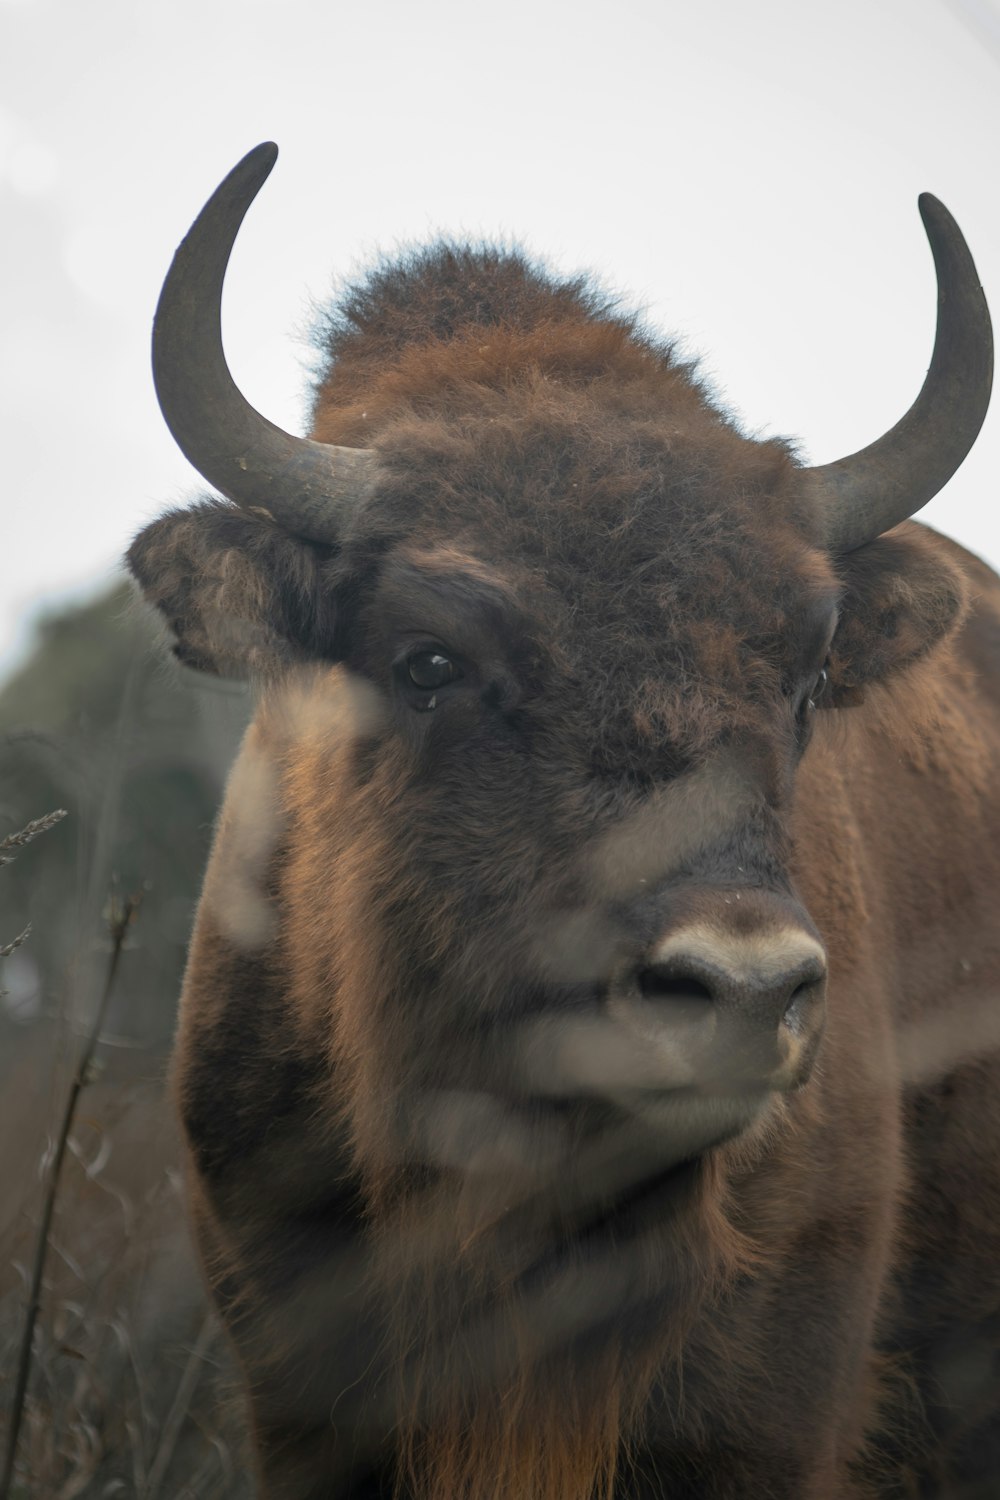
121, 919
179, 1408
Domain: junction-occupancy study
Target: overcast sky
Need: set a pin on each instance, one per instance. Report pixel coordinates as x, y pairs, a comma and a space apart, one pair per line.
748, 173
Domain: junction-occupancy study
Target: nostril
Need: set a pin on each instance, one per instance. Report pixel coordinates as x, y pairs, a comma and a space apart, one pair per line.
800, 1002
656, 985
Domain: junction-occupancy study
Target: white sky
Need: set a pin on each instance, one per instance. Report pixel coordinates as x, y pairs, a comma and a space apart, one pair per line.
747, 172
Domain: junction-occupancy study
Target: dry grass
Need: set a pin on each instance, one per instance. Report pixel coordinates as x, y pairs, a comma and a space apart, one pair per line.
113, 1372
132, 1390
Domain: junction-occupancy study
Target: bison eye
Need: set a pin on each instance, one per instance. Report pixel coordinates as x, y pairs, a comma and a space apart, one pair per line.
807, 705
430, 670
817, 689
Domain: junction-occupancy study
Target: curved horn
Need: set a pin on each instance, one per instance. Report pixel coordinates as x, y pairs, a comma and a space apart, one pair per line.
881, 485
304, 485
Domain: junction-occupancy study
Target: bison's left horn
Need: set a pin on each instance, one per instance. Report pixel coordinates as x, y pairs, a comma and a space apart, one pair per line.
304, 485
874, 489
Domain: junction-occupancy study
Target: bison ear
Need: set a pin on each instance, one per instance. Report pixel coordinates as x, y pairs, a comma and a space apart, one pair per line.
902, 595
242, 597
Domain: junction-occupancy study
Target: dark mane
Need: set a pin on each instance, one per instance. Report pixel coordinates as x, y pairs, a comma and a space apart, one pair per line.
440, 293
435, 291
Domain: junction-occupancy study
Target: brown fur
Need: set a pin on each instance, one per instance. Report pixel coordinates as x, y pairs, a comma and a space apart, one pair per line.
440, 1286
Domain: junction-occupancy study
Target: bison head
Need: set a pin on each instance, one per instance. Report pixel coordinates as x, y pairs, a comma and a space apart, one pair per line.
543, 638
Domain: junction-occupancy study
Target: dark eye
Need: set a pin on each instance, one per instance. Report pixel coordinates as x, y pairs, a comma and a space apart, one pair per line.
818, 688
807, 702
430, 669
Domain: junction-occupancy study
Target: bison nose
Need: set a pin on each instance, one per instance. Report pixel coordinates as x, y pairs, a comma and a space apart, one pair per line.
749, 1006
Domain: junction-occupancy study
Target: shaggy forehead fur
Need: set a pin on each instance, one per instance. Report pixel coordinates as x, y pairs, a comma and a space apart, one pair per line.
528, 424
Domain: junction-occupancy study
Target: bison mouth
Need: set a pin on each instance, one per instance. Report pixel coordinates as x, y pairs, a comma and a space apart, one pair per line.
595, 1179
642, 1170
577, 1168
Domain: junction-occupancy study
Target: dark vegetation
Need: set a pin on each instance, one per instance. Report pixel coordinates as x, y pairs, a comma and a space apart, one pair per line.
130, 1390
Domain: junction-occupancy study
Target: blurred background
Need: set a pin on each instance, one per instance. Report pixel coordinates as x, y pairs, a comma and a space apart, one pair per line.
746, 174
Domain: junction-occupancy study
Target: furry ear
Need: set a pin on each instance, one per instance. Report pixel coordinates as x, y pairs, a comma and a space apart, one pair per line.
902, 595
242, 597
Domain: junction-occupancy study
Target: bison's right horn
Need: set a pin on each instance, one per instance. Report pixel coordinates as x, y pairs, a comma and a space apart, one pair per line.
304, 485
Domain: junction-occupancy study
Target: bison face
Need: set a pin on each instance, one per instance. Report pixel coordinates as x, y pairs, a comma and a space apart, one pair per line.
583, 778
515, 829
529, 746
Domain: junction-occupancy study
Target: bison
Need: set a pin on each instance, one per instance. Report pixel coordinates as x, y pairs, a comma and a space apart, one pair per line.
589, 1047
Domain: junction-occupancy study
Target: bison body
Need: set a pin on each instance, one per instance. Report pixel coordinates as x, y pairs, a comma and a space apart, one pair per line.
589, 1047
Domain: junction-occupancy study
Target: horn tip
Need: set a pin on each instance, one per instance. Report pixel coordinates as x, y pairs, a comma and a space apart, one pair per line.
933, 212
262, 157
